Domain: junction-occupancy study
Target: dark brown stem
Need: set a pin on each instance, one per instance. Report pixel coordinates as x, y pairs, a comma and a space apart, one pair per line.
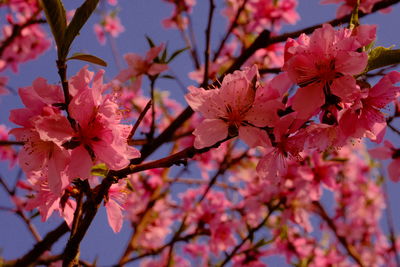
91, 206
249, 235
139, 120
42, 246
208, 40
10, 143
150, 135
193, 42
32, 229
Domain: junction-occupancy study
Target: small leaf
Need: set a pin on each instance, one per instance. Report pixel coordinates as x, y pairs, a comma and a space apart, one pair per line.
89, 58
56, 18
151, 43
381, 57
164, 55
176, 53
82, 14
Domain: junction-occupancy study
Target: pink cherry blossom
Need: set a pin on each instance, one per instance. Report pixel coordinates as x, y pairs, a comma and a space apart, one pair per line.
287, 144
348, 5
386, 152
113, 26
271, 14
99, 136
232, 109
138, 66
323, 66
178, 18
364, 117
7, 152
110, 24
27, 46
100, 33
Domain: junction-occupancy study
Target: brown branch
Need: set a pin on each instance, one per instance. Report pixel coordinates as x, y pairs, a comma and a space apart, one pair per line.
11, 143
90, 210
342, 239
139, 120
41, 246
208, 40
249, 235
160, 249
193, 42
32, 229
270, 70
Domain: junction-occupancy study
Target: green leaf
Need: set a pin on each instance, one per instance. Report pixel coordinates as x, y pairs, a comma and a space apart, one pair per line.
176, 53
151, 43
56, 18
99, 170
88, 58
81, 16
381, 57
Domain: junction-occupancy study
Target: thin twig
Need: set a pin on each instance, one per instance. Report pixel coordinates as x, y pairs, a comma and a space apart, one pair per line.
193, 41
249, 235
150, 135
139, 120
11, 143
234, 24
208, 40
41, 247
342, 239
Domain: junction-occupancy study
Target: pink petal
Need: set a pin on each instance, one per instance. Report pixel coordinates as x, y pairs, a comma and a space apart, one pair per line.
209, 132
384, 91
394, 170
153, 52
55, 128
352, 63
114, 215
56, 171
253, 136
308, 100
365, 34
80, 165
157, 68
381, 152
346, 88
264, 113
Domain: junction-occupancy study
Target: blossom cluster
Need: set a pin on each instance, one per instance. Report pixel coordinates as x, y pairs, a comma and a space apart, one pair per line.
32, 40
60, 148
330, 105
